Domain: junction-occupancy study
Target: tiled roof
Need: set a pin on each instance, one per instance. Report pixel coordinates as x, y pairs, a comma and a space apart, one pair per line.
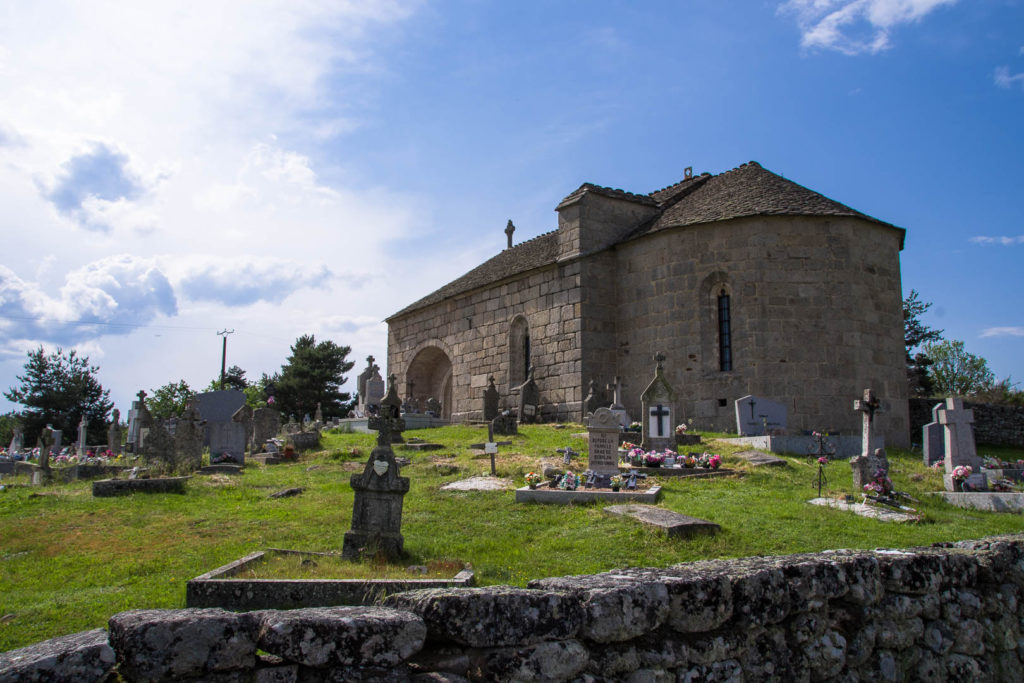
748, 190
533, 253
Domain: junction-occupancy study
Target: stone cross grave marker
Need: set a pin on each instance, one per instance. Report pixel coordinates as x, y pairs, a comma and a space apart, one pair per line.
46, 439
933, 438
960, 449
491, 399
657, 404
82, 446
603, 452
188, 436
17, 440
756, 416
114, 433
529, 400
869, 405
616, 407
379, 491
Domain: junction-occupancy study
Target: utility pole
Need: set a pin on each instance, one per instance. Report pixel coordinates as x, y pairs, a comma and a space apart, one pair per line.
224, 354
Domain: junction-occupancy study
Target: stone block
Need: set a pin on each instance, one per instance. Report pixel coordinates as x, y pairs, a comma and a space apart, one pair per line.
495, 616
159, 645
672, 523
342, 636
77, 658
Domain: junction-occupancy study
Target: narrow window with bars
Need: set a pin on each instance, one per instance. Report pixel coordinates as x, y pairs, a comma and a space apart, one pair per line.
724, 333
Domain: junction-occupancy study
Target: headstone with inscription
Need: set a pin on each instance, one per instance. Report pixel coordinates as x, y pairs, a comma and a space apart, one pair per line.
657, 402
603, 436
756, 416
491, 400
374, 391
379, 491
529, 400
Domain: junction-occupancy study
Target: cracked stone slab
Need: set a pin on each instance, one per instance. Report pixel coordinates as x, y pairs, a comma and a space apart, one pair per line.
761, 459
478, 484
673, 523
879, 513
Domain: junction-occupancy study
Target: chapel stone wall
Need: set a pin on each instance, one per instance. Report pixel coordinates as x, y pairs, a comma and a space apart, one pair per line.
473, 330
816, 318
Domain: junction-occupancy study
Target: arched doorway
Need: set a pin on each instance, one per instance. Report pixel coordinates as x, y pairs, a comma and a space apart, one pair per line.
430, 376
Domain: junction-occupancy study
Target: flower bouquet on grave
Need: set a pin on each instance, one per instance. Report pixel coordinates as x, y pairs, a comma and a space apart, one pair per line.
690, 461
616, 482
668, 458
532, 479
636, 456
822, 481
882, 491
681, 429
1003, 485
569, 481
635, 427
960, 474
653, 459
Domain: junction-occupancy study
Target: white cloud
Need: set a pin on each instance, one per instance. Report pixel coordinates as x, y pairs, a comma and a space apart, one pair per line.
1004, 79
1003, 332
1001, 241
855, 26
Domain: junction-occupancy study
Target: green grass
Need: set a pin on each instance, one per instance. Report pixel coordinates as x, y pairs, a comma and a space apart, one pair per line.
69, 561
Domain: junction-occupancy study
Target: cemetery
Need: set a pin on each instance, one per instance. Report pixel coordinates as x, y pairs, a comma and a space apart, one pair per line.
459, 551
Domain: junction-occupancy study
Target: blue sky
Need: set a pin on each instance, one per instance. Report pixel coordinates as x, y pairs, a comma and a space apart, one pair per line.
168, 171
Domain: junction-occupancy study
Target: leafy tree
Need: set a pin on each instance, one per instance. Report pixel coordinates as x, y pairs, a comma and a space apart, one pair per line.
8, 421
60, 388
257, 393
916, 333
1003, 392
234, 378
313, 374
169, 400
955, 372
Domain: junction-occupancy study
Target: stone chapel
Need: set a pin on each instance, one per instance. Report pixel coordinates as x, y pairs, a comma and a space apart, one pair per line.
747, 282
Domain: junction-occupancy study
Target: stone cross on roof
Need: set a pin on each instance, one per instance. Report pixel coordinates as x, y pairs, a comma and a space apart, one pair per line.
142, 395
389, 420
509, 229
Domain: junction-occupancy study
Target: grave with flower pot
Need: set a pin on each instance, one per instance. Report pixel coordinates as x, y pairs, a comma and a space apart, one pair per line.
671, 464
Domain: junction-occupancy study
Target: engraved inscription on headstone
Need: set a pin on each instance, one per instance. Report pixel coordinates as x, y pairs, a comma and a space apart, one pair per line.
603, 436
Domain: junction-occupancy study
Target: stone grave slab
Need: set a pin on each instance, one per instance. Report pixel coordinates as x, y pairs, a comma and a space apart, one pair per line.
990, 501
266, 459
757, 416
562, 497
673, 523
874, 512
105, 488
422, 446
760, 459
478, 484
221, 468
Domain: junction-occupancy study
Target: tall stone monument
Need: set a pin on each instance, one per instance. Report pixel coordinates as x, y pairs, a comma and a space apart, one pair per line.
960, 448
379, 490
114, 433
188, 436
870, 463
491, 400
83, 435
17, 440
603, 452
657, 403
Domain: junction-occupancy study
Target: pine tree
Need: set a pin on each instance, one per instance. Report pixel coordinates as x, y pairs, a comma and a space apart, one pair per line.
313, 374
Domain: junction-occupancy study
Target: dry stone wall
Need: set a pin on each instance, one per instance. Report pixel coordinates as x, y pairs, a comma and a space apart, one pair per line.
949, 612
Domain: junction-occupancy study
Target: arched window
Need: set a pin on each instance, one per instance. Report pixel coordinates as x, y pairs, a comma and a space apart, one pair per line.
518, 351
724, 332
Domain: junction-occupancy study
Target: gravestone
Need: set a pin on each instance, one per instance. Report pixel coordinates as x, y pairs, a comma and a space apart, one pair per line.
505, 424
529, 400
266, 424
959, 443
114, 433
158, 447
46, 440
17, 440
374, 391
756, 416
594, 399
188, 436
243, 416
933, 439
139, 422
434, 406
603, 436
616, 407
82, 445
867, 467
361, 384
58, 440
379, 491
657, 405
868, 464
223, 435
491, 399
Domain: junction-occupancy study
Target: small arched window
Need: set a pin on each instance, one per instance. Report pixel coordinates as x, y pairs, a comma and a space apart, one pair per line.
724, 332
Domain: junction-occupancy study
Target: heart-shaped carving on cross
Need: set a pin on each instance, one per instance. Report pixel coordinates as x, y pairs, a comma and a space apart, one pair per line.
380, 467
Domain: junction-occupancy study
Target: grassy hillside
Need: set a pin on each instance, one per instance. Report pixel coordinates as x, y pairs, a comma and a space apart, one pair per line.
68, 561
